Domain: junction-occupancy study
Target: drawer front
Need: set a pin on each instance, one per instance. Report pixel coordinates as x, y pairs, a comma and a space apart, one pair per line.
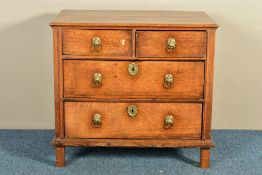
149, 121
149, 82
97, 42
185, 44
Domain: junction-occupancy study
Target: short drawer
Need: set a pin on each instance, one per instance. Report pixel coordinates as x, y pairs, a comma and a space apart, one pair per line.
148, 120
186, 44
146, 79
97, 42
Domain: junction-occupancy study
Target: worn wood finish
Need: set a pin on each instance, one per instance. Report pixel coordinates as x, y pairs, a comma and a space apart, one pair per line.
204, 157
114, 42
157, 143
140, 37
148, 123
188, 79
115, 18
188, 44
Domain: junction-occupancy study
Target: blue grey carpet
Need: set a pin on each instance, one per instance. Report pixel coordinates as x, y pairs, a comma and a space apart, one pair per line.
29, 152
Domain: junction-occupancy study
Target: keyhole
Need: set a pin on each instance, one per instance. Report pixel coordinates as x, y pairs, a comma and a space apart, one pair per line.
133, 69
132, 110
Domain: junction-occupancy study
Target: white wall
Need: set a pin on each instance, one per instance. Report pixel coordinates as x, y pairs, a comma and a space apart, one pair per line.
26, 67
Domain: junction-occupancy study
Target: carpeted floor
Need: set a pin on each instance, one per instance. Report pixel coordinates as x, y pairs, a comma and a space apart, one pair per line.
29, 152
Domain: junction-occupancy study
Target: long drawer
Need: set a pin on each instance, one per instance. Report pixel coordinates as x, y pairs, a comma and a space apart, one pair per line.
149, 79
138, 120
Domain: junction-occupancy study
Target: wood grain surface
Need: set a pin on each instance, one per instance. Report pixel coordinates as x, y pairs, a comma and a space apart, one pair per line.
115, 18
208, 91
188, 43
116, 81
56, 55
114, 42
157, 143
204, 157
60, 156
148, 123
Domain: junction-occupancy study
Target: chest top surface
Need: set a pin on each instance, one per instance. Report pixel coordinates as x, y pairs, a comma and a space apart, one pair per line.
109, 18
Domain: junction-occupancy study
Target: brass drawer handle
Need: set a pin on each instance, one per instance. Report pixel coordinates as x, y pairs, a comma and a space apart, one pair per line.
132, 69
132, 111
170, 45
168, 81
97, 79
169, 121
96, 43
97, 120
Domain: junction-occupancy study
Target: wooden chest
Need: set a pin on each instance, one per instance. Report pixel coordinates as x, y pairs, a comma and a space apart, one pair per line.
133, 79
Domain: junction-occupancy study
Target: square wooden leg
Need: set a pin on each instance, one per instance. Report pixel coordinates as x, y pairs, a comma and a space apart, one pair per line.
60, 156
204, 157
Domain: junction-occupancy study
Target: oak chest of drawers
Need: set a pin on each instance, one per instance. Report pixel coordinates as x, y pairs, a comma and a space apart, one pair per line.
133, 79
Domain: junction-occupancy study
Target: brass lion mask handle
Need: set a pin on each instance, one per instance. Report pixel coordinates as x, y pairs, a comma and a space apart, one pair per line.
97, 120
170, 45
96, 44
169, 121
168, 81
97, 80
